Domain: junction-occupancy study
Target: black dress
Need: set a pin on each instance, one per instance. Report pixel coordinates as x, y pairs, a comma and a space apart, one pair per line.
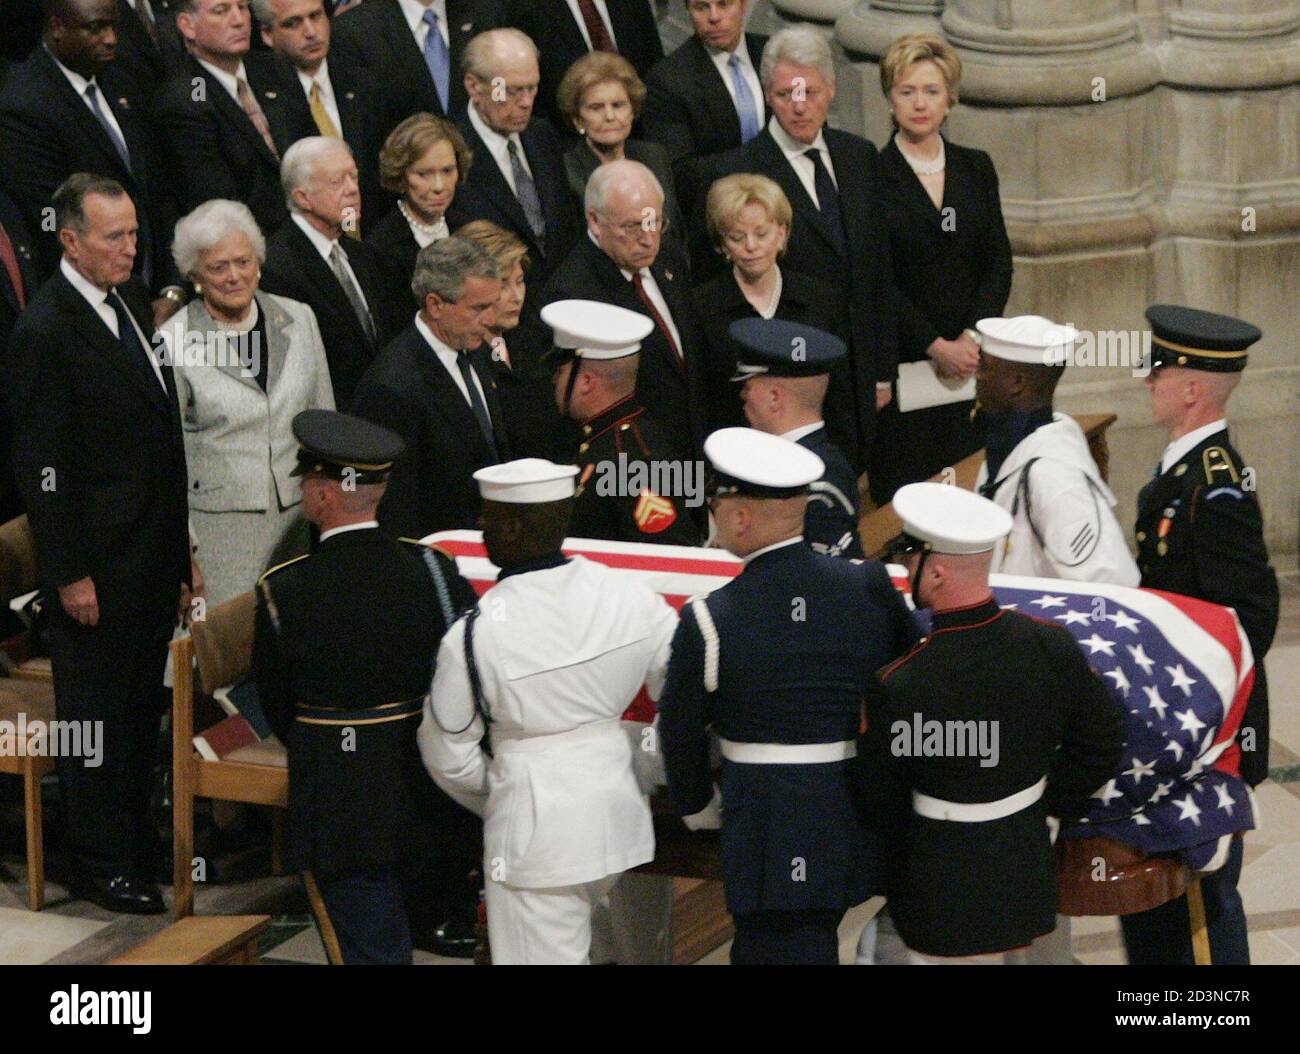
951, 269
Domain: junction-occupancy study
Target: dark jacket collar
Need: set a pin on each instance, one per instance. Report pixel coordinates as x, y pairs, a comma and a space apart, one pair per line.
602, 422
967, 617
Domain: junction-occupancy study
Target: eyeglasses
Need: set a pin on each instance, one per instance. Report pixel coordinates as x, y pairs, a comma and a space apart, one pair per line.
633, 228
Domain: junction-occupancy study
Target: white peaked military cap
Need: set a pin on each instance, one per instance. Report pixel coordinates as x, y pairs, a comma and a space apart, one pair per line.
528, 481
1030, 339
747, 461
949, 519
595, 330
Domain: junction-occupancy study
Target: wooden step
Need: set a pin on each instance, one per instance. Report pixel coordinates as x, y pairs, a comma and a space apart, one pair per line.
200, 940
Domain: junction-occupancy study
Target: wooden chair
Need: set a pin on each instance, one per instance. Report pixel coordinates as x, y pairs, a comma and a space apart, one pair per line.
221, 646
35, 700
18, 576
214, 940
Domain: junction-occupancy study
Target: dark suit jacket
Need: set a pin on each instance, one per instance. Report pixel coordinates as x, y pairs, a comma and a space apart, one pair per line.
146, 63
47, 133
719, 302
689, 110
555, 31
396, 249
112, 437
215, 150
408, 390
295, 269
485, 195
11, 219
361, 114
864, 278
672, 394
375, 35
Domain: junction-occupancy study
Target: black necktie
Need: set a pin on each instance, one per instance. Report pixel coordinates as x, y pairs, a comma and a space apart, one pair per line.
129, 339
477, 404
828, 200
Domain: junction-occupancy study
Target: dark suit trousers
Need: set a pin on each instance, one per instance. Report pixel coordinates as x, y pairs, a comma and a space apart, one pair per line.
1162, 936
112, 674
787, 938
367, 912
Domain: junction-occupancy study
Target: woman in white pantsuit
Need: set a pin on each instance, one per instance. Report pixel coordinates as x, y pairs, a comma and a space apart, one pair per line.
245, 363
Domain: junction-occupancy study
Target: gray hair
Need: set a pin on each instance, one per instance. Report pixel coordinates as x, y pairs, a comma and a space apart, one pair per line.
801, 45
299, 162
212, 221
70, 198
602, 181
443, 266
262, 12
479, 52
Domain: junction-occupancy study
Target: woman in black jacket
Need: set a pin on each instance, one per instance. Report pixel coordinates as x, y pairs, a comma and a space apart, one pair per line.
749, 224
951, 257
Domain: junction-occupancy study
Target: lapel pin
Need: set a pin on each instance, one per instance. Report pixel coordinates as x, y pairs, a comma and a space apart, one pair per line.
123, 104
269, 94
467, 27
1180, 470
349, 95
668, 275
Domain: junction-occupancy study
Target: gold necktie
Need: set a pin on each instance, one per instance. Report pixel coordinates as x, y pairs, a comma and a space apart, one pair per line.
321, 115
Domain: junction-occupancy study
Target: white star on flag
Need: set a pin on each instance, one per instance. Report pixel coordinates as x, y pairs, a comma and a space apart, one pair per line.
1121, 682
1194, 770
1047, 601
1007, 607
1073, 618
1123, 620
1108, 792
1140, 769
1176, 747
1141, 820
1096, 643
1154, 702
1180, 678
1188, 721
1189, 810
1161, 790
1225, 799
1140, 657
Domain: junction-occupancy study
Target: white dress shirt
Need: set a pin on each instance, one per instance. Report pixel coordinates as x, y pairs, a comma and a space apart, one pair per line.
364, 525
722, 58
794, 152
326, 92
414, 11
1180, 447
796, 434
448, 356
230, 83
79, 85
98, 300
496, 146
325, 246
796, 540
582, 26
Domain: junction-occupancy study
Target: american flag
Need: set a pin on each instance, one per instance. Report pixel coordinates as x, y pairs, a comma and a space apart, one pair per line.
1179, 669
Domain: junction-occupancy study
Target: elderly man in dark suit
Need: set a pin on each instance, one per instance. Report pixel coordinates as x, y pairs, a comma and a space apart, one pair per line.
415, 49
433, 386
18, 283
518, 180
565, 30
339, 278
225, 116
331, 97
101, 462
705, 98
68, 108
838, 233
619, 262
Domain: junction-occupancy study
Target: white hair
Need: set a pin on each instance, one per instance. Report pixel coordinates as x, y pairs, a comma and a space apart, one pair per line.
801, 45
299, 162
480, 54
210, 223
601, 182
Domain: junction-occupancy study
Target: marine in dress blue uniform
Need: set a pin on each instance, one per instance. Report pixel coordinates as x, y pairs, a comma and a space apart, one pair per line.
784, 369
343, 653
777, 663
1200, 533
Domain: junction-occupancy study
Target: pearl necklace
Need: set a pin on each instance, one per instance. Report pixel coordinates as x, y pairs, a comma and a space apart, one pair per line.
919, 166
433, 230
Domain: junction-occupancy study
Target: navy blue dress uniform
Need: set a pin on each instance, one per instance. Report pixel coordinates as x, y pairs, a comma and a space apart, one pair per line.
622, 442
777, 663
1200, 533
973, 871
790, 349
344, 650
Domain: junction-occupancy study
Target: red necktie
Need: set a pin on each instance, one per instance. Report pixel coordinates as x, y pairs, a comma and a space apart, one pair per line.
654, 314
10, 260
596, 30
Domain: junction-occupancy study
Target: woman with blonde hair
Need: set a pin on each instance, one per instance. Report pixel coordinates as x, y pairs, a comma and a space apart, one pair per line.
951, 257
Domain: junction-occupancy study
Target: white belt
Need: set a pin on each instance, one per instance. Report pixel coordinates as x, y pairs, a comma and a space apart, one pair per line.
510, 741
978, 812
787, 753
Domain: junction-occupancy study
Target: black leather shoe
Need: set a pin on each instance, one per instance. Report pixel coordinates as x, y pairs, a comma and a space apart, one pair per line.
455, 940
123, 893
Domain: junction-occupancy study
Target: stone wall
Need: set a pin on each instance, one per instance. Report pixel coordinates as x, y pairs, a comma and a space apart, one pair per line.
1148, 151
